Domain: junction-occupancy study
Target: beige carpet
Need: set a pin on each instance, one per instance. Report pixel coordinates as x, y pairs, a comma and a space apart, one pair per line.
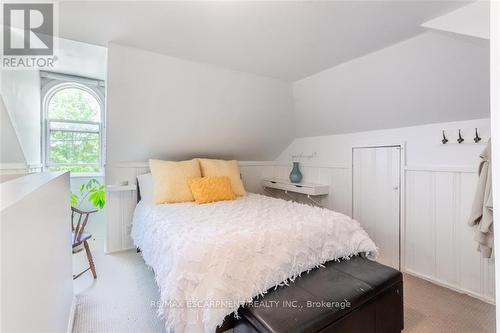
431, 308
121, 298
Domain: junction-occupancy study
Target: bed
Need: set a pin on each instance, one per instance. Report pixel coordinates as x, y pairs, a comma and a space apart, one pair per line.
211, 259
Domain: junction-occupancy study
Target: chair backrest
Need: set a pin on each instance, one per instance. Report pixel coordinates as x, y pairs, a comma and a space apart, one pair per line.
83, 218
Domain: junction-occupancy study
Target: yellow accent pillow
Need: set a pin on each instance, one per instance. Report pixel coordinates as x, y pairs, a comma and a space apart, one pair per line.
170, 180
211, 189
210, 168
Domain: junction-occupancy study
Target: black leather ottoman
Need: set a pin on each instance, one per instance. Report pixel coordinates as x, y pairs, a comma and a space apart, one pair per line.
356, 295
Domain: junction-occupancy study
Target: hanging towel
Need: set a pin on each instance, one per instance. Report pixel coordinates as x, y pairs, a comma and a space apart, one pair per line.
482, 208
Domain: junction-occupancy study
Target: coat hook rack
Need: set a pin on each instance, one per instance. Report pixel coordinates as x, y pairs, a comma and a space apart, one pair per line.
477, 138
445, 140
460, 138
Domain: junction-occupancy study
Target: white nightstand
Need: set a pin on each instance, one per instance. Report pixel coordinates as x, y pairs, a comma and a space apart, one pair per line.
308, 189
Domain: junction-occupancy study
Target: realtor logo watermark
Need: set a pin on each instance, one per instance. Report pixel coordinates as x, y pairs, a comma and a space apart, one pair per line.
28, 35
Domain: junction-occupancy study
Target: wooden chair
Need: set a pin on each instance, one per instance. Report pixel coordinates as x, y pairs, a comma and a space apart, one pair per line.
79, 237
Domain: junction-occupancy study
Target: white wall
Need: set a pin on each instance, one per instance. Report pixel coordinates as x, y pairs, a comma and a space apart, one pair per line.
440, 182
423, 151
437, 79
423, 144
81, 59
10, 149
439, 243
430, 78
191, 109
471, 20
121, 202
495, 126
36, 269
20, 90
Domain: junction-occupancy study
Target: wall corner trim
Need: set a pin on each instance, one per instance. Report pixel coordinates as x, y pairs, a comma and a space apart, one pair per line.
71, 316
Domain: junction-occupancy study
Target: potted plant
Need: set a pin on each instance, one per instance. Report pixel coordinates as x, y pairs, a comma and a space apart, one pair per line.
93, 192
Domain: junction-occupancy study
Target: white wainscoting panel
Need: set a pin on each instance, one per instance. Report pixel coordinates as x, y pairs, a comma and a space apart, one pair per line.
336, 176
120, 205
253, 173
439, 242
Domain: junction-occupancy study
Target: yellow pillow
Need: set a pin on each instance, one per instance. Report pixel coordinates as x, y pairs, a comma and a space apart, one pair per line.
211, 189
170, 180
210, 168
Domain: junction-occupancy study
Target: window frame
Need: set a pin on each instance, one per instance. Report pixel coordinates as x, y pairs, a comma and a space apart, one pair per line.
51, 89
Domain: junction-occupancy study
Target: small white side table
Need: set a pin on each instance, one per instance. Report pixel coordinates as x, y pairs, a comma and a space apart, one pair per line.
308, 189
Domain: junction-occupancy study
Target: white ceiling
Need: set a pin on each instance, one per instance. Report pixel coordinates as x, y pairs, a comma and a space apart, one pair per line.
81, 59
285, 40
471, 20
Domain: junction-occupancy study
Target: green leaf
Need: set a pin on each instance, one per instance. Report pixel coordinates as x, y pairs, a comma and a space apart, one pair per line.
100, 204
92, 191
93, 197
73, 199
100, 199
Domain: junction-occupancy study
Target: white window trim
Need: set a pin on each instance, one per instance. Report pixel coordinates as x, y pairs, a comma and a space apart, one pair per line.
48, 91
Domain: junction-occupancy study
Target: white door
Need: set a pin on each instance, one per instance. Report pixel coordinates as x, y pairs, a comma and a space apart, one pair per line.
376, 198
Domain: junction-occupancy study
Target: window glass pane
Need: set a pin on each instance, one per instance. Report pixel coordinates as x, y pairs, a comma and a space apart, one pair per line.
67, 126
74, 104
73, 147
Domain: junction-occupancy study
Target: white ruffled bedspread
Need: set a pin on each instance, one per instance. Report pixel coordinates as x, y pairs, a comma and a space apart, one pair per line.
209, 259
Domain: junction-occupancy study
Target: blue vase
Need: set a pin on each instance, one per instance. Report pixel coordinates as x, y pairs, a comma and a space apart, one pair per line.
295, 175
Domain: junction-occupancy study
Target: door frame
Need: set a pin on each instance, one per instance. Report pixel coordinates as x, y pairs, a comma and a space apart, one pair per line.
402, 192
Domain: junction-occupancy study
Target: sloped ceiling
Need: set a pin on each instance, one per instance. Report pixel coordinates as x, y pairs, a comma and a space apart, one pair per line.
10, 149
165, 107
81, 59
471, 20
430, 78
20, 91
355, 66
281, 39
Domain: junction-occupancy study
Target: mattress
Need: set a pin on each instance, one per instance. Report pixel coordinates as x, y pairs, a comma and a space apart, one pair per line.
210, 259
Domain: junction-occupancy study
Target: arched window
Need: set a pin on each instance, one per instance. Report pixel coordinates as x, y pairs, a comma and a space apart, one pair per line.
73, 128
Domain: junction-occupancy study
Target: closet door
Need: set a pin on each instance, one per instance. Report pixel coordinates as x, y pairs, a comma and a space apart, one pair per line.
376, 198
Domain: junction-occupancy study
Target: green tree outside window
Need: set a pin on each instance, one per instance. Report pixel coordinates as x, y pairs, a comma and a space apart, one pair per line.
74, 131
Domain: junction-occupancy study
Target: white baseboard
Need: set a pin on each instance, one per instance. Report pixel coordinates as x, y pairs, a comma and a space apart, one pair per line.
106, 251
450, 286
71, 317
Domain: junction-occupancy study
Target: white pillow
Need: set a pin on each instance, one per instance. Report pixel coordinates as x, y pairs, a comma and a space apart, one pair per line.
146, 187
